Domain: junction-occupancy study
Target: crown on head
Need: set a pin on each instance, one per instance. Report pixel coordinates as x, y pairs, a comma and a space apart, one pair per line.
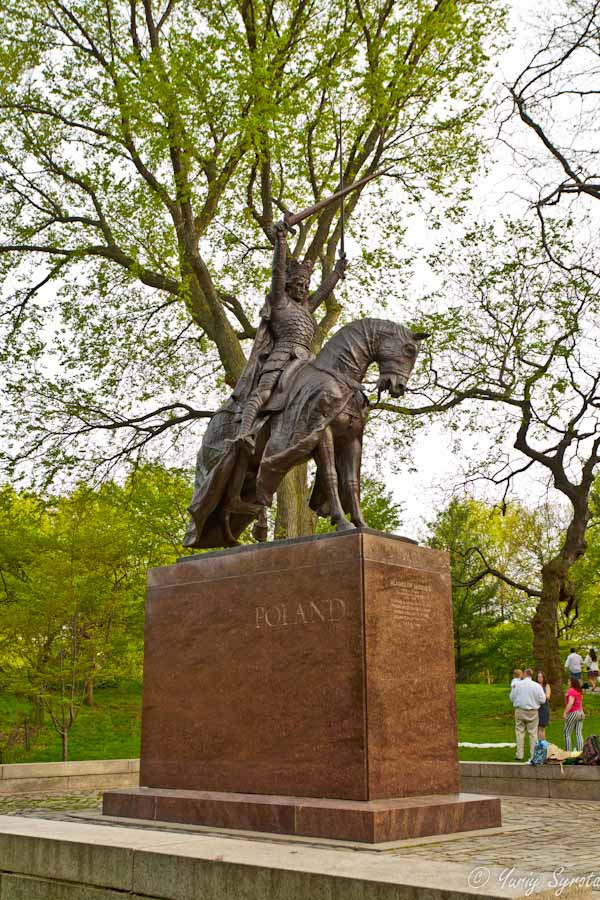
295, 268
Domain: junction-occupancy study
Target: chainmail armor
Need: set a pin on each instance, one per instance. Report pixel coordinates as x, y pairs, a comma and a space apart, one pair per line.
293, 324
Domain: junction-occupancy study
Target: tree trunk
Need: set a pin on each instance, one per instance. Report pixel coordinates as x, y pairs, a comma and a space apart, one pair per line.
556, 589
38, 713
457, 647
89, 692
65, 746
294, 516
545, 632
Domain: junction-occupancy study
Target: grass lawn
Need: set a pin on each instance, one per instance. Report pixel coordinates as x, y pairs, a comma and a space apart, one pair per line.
111, 730
485, 715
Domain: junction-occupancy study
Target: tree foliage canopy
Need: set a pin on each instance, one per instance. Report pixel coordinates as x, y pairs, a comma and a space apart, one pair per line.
145, 151
72, 585
513, 542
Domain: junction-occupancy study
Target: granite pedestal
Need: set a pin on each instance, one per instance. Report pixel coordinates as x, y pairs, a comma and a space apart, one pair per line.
303, 687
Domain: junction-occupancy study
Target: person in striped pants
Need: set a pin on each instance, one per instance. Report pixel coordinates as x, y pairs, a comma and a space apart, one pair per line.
573, 714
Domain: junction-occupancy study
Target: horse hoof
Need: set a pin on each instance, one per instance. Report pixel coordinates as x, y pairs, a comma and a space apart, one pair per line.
344, 525
260, 533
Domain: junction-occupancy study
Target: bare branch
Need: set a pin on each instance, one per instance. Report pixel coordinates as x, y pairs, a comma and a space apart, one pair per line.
496, 573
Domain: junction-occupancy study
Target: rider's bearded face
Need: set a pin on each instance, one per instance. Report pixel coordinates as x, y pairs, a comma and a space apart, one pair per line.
297, 287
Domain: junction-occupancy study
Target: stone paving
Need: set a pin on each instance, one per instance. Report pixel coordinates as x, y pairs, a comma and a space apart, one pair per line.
539, 836
544, 836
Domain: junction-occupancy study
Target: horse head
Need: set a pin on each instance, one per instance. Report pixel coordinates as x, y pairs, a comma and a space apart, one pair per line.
396, 351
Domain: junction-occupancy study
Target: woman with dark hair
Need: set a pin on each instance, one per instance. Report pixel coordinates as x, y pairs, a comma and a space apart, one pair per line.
591, 661
544, 710
573, 714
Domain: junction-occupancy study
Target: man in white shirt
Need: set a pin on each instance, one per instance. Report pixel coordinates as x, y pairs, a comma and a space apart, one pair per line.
574, 664
526, 696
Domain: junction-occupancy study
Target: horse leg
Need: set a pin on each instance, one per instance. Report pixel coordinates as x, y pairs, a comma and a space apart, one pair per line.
325, 456
275, 464
268, 480
349, 458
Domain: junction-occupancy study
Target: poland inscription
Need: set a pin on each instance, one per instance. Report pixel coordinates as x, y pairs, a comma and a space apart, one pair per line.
309, 612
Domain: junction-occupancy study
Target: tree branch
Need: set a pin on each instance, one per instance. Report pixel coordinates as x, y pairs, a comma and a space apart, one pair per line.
496, 573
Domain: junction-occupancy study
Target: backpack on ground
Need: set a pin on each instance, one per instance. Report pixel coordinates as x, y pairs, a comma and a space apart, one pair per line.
540, 752
591, 751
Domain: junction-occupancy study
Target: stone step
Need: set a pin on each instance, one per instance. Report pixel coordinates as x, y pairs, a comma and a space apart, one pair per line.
51, 860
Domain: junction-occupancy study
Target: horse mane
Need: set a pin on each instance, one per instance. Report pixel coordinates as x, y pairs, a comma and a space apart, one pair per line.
371, 329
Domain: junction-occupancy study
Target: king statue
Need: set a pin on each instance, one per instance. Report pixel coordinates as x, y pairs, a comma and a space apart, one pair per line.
290, 406
286, 333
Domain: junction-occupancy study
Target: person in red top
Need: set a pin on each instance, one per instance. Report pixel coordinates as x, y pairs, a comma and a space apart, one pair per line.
573, 714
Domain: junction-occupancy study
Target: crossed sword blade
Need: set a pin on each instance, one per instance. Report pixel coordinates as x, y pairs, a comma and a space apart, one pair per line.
292, 219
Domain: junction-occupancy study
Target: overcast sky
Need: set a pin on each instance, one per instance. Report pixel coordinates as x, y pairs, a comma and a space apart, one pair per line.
438, 469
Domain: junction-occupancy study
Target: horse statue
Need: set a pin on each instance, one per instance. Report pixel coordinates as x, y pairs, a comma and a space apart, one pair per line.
317, 411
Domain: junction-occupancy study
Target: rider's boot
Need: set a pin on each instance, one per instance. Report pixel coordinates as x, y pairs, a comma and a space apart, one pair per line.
244, 438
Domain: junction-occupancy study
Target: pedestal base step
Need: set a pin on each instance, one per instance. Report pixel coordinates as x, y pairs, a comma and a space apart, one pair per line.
371, 821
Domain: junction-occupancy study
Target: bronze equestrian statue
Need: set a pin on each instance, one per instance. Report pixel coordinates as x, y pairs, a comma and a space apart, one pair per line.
289, 406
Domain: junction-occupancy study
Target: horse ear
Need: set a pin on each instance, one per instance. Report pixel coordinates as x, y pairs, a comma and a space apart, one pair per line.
421, 335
